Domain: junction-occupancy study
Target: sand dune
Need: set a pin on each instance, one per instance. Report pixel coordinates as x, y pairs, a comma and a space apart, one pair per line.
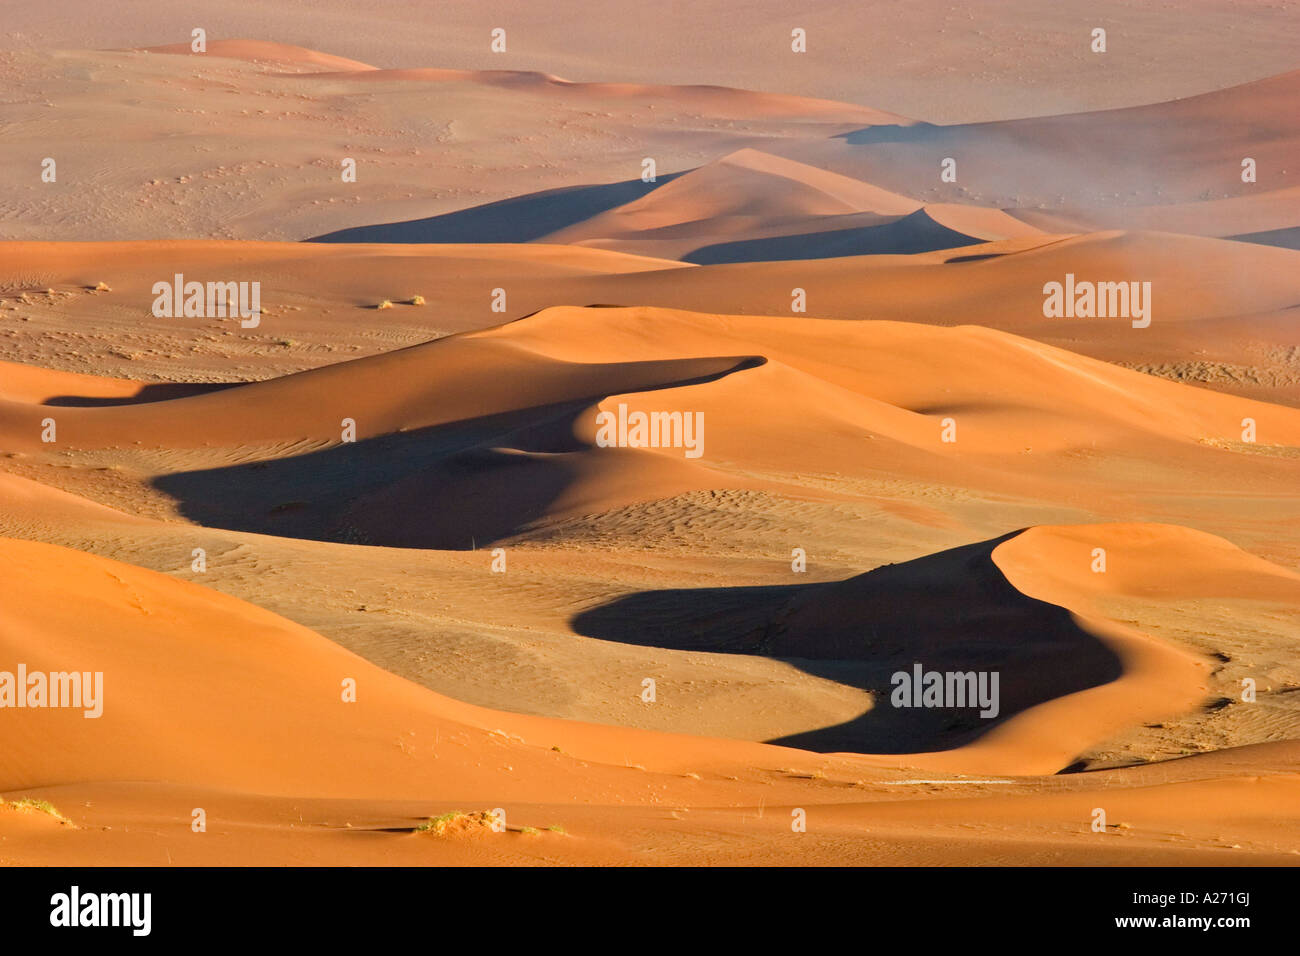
748, 206
233, 651
753, 207
747, 193
40, 386
265, 51
1095, 159
749, 376
822, 375
649, 402
295, 107
269, 456
409, 752
29, 505
1032, 59
326, 66
248, 140
1229, 330
1071, 173
268, 461
311, 314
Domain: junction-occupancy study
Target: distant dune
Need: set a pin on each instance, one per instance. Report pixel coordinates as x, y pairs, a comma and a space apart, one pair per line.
265, 51
923, 59
1093, 160
1168, 166
753, 206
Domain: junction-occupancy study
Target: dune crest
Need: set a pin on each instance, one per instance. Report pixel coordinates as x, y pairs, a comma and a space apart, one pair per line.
266, 51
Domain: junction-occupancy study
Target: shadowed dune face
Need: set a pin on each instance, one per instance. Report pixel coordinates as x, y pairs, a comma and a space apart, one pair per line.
442, 462
749, 206
1072, 173
521, 219
450, 486
952, 613
905, 236
1230, 329
1288, 238
522, 400
261, 760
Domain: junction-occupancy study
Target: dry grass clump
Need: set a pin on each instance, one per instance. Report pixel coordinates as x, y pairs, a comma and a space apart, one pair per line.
457, 823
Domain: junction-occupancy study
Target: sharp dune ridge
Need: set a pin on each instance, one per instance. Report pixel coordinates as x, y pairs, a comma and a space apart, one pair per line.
619, 445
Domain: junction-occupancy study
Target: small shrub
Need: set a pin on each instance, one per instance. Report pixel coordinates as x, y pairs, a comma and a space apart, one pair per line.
34, 805
457, 822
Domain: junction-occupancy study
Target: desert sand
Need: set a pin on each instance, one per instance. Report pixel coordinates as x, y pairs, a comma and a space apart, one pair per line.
370, 561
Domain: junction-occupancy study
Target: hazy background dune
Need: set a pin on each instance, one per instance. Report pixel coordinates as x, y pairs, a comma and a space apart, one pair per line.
942, 61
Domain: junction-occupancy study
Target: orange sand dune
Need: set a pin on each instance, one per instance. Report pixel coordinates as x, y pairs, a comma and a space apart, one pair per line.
318, 300
409, 753
277, 550
975, 370
25, 383
30, 504
805, 410
1000, 287
738, 208
771, 393
756, 105
987, 225
744, 194
266, 51
1147, 562
576, 354
264, 698
1170, 166
1229, 330
1033, 607
329, 67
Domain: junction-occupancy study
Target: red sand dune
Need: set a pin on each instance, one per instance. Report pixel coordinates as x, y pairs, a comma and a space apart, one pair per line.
180, 653
914, 466
265, 51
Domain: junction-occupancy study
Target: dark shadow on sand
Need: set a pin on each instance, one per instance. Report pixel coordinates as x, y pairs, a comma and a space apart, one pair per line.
453, 487
909, 235
518, 219
147, 394
951, 611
